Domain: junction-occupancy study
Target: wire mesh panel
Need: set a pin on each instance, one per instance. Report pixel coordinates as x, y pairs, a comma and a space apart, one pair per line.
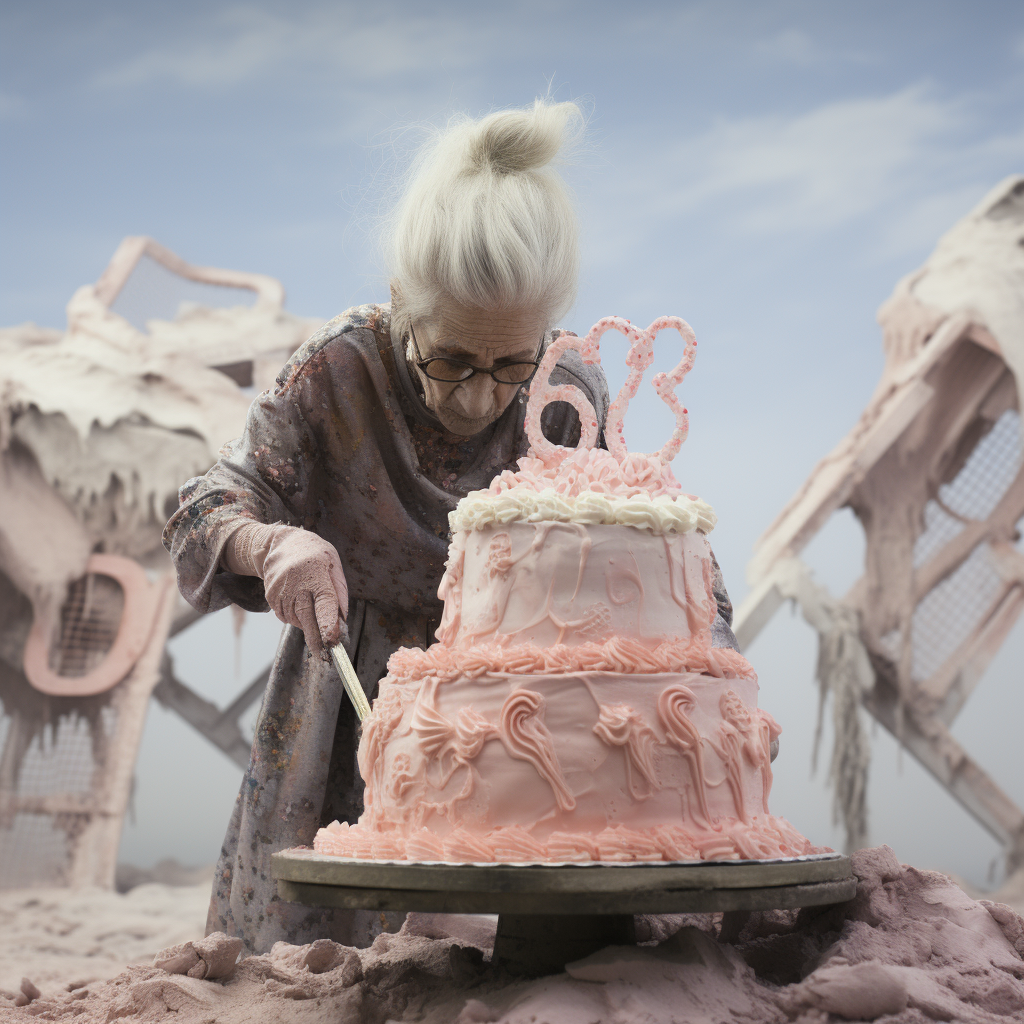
89, 621
939, 529
961, 602
60, 760
988, 472
49, 792
951, 611
34, 850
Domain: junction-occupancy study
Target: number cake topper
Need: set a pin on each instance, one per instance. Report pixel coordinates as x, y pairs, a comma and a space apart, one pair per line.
639, 357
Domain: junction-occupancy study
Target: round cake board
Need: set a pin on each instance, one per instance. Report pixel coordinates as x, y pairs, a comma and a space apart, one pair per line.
551, 914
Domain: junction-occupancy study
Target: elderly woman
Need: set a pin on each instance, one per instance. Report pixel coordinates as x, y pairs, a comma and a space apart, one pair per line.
333, 505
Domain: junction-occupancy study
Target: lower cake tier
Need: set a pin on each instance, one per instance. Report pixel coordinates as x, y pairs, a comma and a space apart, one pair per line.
566, 767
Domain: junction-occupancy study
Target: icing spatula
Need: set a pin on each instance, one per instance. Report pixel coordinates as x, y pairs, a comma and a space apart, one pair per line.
353, 688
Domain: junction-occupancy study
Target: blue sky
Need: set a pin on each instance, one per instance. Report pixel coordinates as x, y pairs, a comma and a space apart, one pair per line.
765, 170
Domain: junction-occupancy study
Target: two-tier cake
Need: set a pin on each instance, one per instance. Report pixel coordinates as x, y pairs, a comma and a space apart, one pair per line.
574, 707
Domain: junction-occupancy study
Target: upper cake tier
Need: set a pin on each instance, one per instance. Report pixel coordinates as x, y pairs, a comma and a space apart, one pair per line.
571, 583
584, 545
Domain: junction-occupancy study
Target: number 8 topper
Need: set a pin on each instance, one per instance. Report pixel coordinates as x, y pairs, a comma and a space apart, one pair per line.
639, 357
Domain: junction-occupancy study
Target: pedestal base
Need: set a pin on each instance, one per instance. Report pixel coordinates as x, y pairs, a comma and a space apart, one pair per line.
552, 914
535, 944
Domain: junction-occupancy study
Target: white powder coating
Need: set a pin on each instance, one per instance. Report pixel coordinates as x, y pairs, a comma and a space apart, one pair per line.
977, 269
104, 403
101, 423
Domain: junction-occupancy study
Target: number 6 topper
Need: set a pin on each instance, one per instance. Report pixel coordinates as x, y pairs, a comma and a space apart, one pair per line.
639, 357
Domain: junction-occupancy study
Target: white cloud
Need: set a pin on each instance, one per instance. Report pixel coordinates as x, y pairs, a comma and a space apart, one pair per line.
824, 167
357, 42
912, 158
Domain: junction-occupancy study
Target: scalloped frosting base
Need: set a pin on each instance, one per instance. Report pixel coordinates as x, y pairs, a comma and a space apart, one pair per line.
759, 839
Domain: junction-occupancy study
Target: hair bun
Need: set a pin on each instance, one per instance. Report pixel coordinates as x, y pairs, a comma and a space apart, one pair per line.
520, 140
484, 222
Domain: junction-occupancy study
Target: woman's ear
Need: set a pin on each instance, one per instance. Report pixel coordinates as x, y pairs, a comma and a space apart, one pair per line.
398, 324
396, 314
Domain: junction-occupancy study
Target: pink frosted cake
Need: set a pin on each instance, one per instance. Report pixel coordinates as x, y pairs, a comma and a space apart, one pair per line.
573, 707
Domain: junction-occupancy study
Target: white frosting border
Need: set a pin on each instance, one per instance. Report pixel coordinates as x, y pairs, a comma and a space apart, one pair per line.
659, 515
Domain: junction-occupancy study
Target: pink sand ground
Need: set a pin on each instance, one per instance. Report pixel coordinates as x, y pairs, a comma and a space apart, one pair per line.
910, 947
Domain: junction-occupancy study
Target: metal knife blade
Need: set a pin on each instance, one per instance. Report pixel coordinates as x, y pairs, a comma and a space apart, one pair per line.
351, 681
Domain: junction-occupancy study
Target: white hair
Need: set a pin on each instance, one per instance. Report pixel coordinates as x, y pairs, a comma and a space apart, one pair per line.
483, 219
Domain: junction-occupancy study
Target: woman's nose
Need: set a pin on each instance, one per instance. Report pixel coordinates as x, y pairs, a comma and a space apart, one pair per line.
475, 396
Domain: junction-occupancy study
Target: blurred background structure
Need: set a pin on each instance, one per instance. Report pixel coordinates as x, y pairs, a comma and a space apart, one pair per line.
767, 171
934, 472
100, 425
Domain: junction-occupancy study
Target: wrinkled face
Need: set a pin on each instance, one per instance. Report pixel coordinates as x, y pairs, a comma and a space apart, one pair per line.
485, 339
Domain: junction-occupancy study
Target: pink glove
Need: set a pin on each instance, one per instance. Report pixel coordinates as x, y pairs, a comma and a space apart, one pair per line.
302, 577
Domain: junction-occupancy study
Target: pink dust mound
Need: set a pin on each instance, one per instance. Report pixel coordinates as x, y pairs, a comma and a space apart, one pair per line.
910, 948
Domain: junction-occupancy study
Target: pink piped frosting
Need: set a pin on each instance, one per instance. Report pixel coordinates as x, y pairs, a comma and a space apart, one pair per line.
387, 846
621, 655
462, 845
760, 838
424, 845
626, 844
527, 738
597, 470
639, 358
514, 844
675, 843
572, 846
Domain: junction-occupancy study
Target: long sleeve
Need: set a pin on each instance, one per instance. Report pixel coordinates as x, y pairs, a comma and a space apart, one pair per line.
262, 476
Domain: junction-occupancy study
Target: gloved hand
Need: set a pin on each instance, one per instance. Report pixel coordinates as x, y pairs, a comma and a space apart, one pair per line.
302, 577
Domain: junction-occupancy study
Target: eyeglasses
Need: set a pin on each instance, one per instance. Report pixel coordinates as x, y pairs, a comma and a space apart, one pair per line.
453, 371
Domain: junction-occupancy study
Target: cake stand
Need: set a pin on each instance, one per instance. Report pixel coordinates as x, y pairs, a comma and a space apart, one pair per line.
552, 914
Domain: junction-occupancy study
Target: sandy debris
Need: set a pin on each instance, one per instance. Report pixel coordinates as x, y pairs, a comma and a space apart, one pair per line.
911, 947
59, 936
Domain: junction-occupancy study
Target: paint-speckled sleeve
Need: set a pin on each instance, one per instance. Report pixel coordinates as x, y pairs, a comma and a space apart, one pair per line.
238, 486
721, 594
262, 476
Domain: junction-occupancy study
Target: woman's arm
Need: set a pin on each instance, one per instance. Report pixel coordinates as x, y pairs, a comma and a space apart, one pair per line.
236, 536
257, 479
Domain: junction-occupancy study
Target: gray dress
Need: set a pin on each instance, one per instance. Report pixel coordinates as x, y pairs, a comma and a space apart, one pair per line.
343, 446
